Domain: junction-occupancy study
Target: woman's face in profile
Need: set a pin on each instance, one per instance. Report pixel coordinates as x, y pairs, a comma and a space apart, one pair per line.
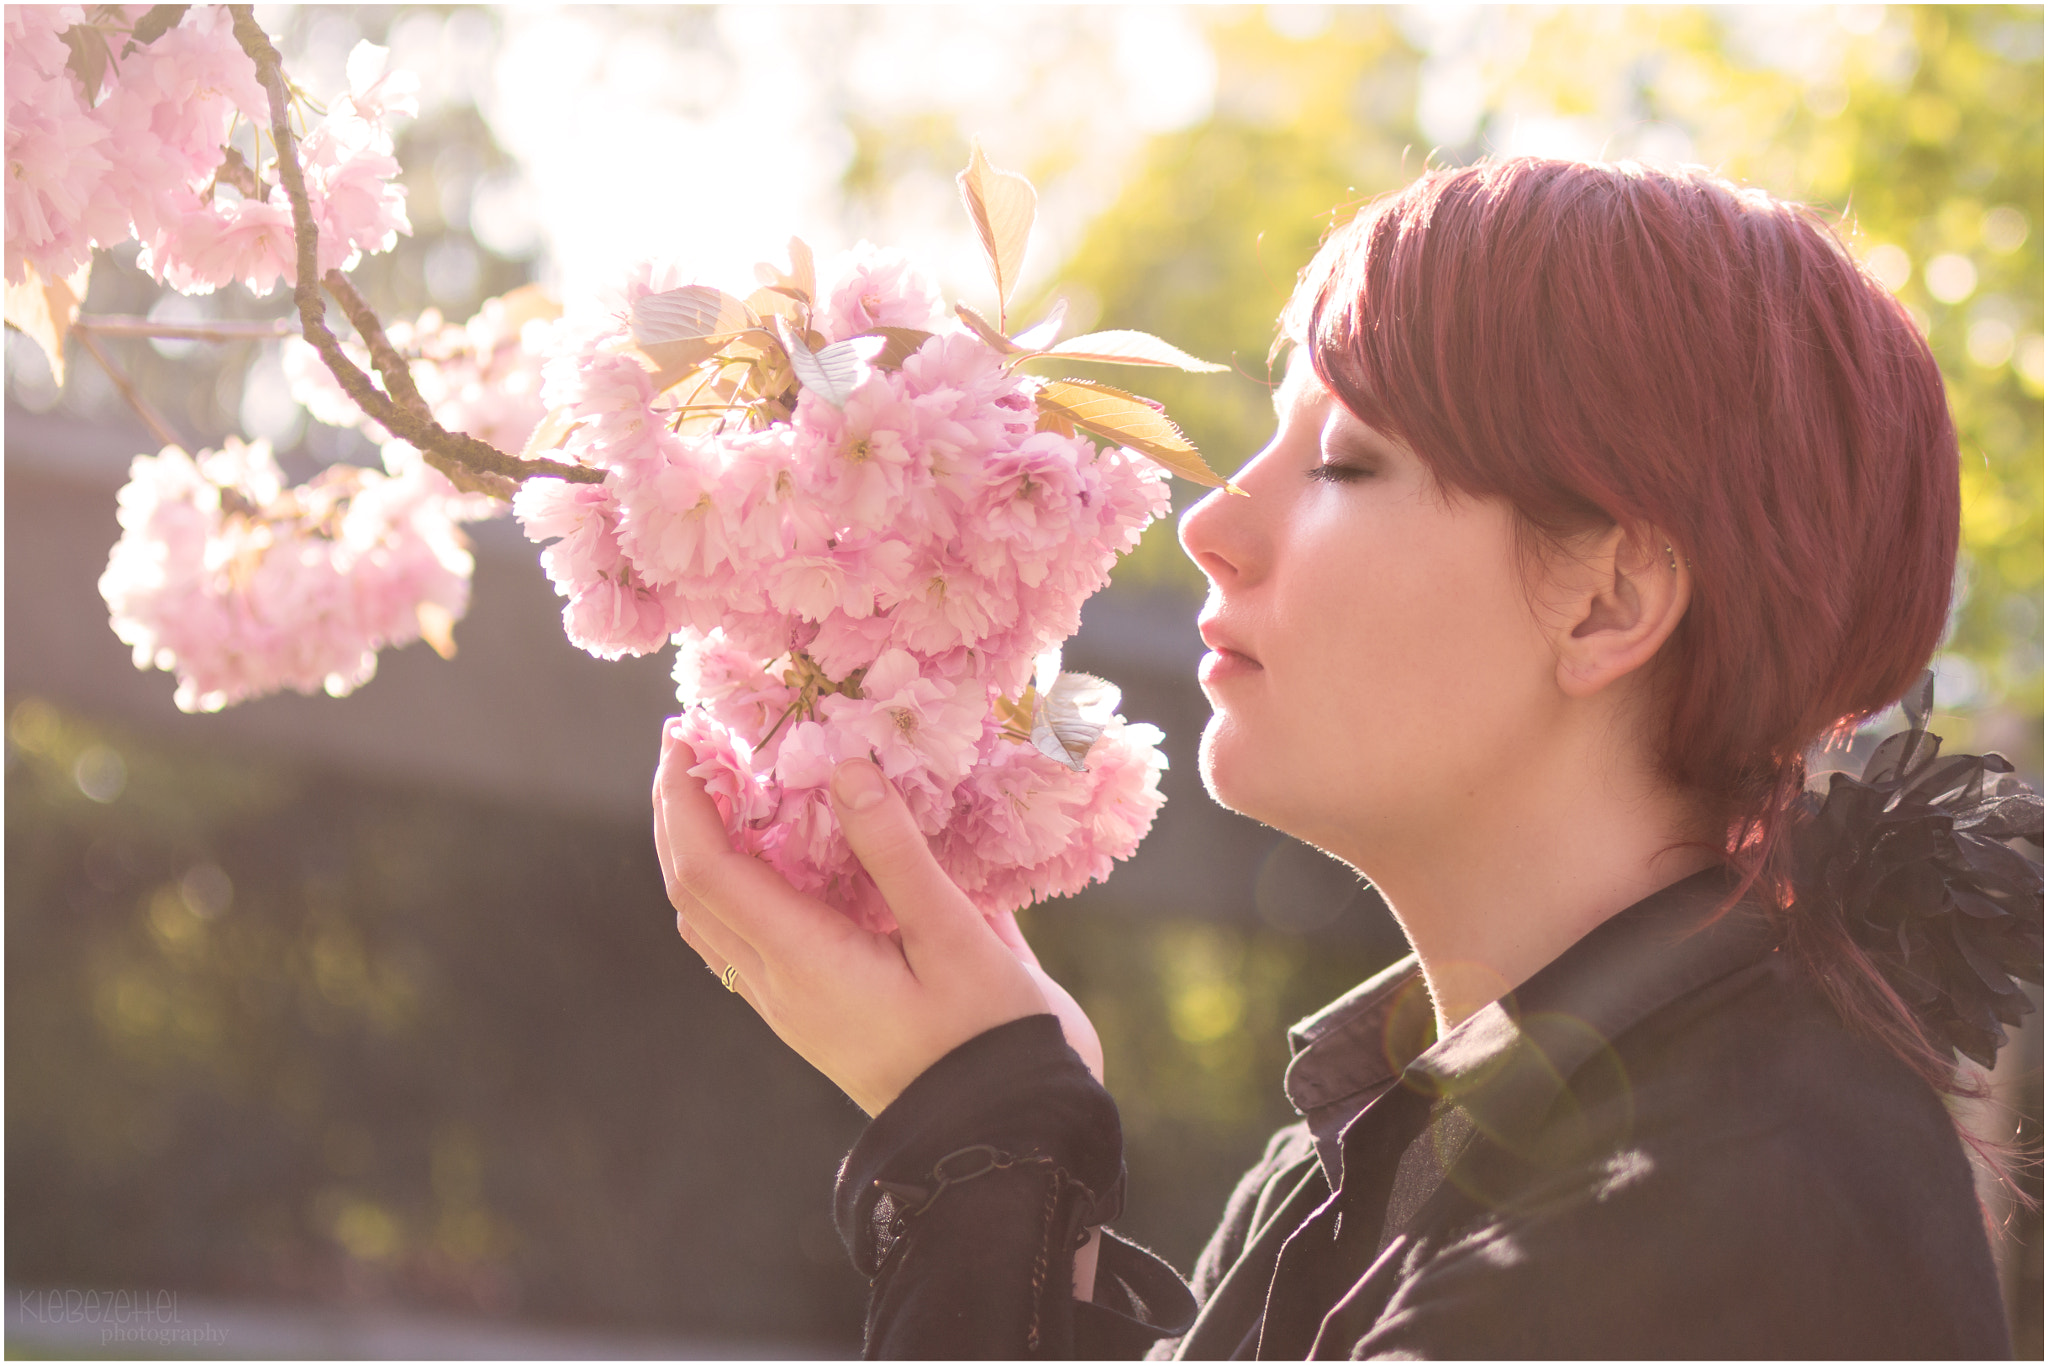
1375, 667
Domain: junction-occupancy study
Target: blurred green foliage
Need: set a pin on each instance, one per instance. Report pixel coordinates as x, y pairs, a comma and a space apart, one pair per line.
1920, 125
277, 1035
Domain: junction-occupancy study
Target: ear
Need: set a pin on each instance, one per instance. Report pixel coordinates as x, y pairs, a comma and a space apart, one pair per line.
1614, 599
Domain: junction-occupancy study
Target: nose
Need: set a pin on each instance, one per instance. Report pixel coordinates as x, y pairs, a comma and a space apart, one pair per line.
1220, 535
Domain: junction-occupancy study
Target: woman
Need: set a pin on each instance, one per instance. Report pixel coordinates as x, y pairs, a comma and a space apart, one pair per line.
1599, 495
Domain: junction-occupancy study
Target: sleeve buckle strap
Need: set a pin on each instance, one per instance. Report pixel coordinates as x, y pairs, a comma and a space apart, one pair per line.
962, 1165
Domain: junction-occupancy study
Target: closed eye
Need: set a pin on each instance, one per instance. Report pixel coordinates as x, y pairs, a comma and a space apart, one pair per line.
1339, 474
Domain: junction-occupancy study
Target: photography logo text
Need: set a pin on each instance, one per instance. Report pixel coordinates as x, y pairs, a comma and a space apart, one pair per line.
120, 1316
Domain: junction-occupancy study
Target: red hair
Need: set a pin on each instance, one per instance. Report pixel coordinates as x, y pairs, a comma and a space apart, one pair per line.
1663, 351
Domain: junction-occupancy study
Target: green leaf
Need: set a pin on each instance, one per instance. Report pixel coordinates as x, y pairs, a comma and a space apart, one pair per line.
900, 344
982, 328
692, 313
45, 309
89, 58
1002, 205
437, 627
832, 372
1044, 332
1129, 420
671, 361
160, 20
549, 433
1131, 348
800, 281
679, 329
1070, 716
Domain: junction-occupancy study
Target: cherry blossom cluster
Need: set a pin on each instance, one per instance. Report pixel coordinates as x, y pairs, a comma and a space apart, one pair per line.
867, 567
242, 586
116, 133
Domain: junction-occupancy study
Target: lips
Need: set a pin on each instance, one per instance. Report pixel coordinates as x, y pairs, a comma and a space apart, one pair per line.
1227, 659
1219, 639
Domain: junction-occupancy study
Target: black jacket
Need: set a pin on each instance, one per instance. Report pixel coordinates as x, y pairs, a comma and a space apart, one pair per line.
1664, 1144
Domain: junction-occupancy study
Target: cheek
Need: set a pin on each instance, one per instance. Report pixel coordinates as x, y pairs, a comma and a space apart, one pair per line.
1423, 623
1401, 649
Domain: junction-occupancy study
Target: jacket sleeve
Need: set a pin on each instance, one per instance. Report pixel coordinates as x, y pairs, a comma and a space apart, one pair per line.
964, 1201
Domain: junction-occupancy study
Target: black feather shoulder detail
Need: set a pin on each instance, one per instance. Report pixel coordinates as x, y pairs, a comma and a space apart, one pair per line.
1914, 856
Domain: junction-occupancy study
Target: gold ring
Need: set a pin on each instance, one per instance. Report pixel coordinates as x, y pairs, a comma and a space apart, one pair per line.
732, 970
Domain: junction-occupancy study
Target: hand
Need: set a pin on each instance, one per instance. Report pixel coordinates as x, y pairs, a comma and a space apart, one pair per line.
870, 1011
1074, 1022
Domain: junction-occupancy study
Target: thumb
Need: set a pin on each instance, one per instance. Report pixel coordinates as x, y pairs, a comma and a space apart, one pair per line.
886, 840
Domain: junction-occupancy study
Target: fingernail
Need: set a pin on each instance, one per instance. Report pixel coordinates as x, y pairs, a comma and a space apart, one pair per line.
858, 784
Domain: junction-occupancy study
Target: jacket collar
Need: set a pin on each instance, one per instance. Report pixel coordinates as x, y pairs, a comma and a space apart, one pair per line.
1507, 1063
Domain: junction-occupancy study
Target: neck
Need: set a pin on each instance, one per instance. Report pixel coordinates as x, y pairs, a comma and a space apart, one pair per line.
1525, 869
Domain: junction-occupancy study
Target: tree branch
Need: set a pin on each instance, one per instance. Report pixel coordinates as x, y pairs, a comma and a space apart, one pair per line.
392, 366
226, 329
158, 428
469, 463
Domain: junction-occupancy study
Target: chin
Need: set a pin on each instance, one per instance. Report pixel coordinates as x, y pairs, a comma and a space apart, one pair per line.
1230, 771
1239, 775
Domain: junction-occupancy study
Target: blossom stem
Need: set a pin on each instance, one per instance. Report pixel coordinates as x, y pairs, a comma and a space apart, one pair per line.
469, 463
787, 712
158, 428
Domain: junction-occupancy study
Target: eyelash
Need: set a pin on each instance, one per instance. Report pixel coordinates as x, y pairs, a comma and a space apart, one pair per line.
1339, 474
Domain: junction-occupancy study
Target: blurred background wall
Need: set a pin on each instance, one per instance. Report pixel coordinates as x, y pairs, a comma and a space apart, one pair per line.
377, 1003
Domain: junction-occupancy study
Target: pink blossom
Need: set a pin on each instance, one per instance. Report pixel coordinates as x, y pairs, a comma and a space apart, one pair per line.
141, 158
913, 721
711, 671
377, 95
208, 246
612, 611
862, 462
865, 578
671, 520
845, 579
843, 644
358, 206
56, 150
242, 587
169, 112
1028, 828
726, 764
872, 287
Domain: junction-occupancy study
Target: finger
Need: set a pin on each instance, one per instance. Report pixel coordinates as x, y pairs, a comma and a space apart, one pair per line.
702, 931
671, 744
743, 985
715, 941
931, 909
1005, 926
745, 895
690, 912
